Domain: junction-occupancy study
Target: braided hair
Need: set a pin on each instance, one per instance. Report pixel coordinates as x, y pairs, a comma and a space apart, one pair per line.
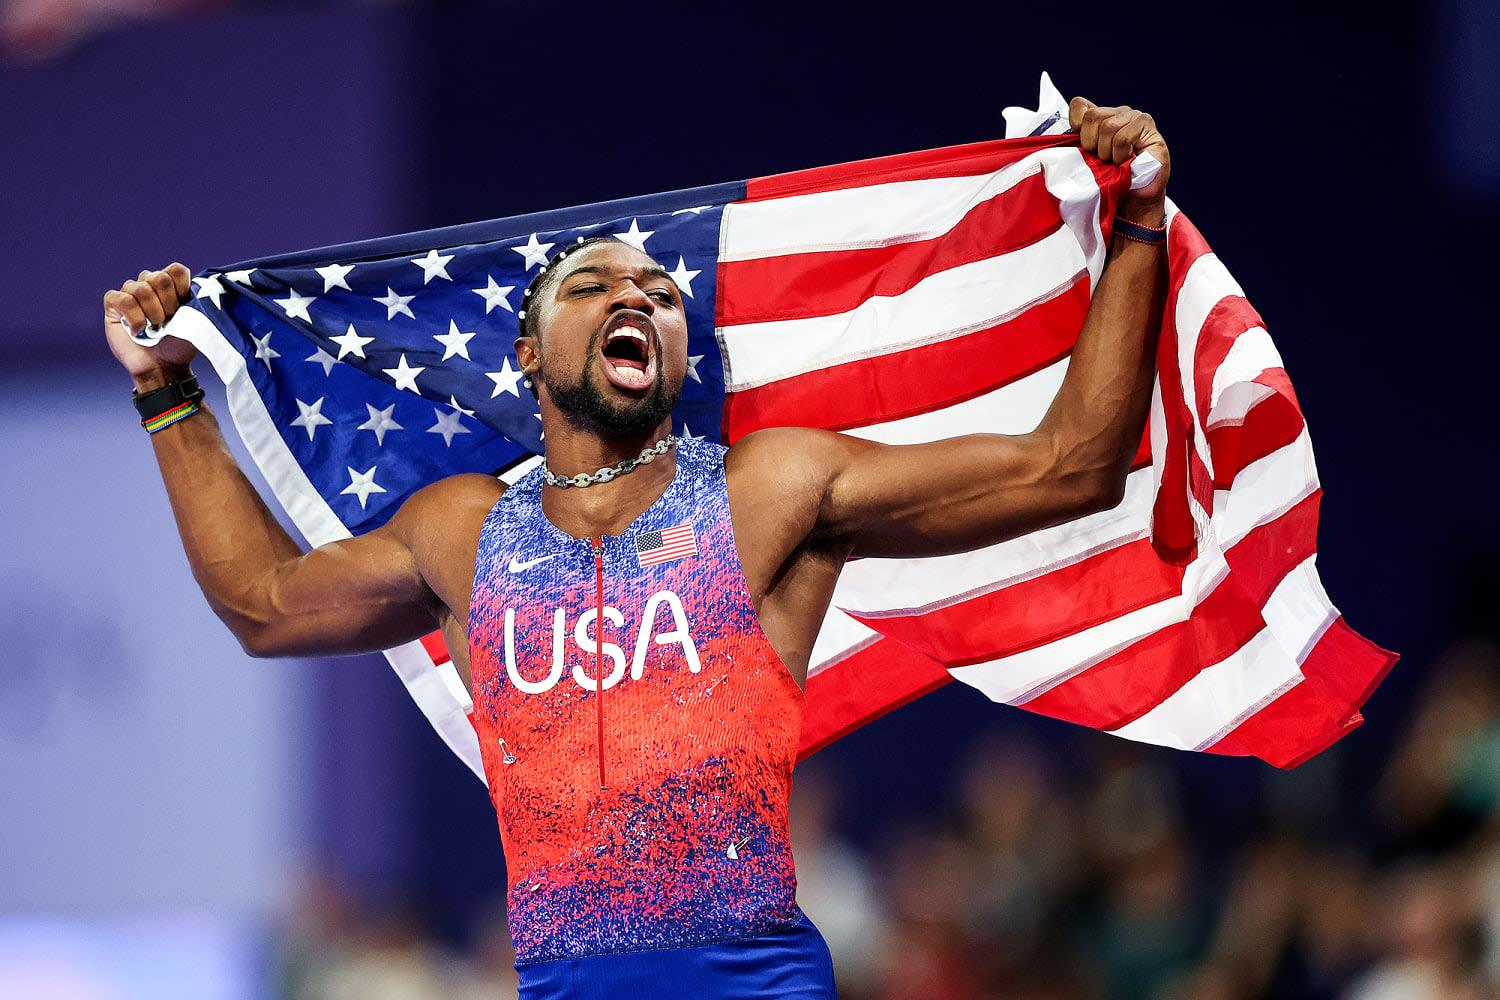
530, 317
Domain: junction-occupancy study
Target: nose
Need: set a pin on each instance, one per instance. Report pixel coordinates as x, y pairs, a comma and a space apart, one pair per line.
632, 296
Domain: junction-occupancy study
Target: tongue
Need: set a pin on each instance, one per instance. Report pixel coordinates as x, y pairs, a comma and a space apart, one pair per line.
630, 374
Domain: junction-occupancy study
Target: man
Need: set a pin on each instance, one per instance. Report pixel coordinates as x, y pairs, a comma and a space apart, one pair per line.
634, 620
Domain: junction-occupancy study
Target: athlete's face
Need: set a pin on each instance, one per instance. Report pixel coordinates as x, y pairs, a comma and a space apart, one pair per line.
611, 346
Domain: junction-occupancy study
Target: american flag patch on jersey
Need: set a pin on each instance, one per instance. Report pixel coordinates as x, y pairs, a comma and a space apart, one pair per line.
652, 547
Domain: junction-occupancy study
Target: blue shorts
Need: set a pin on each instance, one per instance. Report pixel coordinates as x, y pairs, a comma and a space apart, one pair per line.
789, 963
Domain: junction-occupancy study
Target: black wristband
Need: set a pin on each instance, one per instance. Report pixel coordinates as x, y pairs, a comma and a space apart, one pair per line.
1139, 233
153, 404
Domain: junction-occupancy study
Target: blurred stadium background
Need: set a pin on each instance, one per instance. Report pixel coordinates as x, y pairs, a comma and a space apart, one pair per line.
178, 821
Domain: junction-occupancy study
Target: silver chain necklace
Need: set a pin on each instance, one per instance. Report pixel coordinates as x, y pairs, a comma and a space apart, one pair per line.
625, 468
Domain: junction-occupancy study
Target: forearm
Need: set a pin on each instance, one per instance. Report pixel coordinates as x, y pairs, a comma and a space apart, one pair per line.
1095, 424
233, 543
349, 596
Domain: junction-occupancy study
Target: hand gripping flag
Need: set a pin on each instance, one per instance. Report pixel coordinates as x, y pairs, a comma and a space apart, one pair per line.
902, 299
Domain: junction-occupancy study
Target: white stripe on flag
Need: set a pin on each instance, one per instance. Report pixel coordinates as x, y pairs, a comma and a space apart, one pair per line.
1264, 490
1016, 408
1206, 285
837, 638
1020, 677
1251, 354
868, 216
880, 588
1234, 403
1221, 696
940, 307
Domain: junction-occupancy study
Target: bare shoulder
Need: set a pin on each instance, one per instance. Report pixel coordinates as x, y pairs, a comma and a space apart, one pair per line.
448, 512
789, 464
467, 491
440, 525
800, 454
778, 482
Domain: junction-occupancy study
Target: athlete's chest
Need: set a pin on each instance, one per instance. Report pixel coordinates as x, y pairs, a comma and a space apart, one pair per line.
550, 612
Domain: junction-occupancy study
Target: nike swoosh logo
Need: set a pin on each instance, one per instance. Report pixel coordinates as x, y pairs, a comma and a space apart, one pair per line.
521, 567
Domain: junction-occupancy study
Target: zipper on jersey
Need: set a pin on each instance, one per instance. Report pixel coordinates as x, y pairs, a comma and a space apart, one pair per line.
598, 545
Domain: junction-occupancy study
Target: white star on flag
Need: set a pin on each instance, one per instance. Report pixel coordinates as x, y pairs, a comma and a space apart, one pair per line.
351, 343
404, 375
380, 421
362, 484
696, 211
448, 424
295, 305
453, 402
454, 342
684, 276
634, 236
434, 265
239, 277
210, 288
693, 360
263, 349
323, 358
333, 276
312, 416
688, 435
505, 380
495, 295
395, 304
534, 252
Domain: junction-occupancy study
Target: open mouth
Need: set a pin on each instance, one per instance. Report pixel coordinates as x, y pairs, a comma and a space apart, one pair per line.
629, 360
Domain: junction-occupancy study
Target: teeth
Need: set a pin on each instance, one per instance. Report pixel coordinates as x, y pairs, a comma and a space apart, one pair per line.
626, 331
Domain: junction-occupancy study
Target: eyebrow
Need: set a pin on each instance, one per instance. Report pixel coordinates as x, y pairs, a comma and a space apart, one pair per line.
655, 271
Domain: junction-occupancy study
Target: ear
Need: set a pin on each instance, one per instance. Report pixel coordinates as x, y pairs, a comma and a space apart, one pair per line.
528, 353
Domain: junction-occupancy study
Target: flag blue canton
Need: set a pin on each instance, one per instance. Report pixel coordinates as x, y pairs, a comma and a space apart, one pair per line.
390, 364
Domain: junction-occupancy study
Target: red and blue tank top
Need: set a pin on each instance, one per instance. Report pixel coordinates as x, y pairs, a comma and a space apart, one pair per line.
651, 814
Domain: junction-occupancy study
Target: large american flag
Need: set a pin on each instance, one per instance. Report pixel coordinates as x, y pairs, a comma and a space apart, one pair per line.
902, 299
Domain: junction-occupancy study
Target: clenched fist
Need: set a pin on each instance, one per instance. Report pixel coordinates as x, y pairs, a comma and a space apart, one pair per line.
152, 298
1114, 135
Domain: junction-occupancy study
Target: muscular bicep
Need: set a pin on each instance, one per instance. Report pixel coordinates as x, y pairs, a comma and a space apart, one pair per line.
380, 589
952, 495
355, 595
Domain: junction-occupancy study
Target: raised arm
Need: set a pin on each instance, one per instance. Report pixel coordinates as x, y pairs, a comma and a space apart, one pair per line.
966, 492
361, 594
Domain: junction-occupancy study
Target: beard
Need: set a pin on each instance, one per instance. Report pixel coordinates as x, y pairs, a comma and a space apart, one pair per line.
586, 405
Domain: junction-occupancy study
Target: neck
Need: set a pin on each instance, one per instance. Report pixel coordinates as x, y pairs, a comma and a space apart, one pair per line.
604, 508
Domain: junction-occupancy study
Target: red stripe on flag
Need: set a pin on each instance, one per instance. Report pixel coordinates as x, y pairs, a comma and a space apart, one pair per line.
952, 161
1340, 673
436, 646
1225, 322
1038, 611
1271, 424
903, 383
796, 286
1172, 525
1127, 685
869, 683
